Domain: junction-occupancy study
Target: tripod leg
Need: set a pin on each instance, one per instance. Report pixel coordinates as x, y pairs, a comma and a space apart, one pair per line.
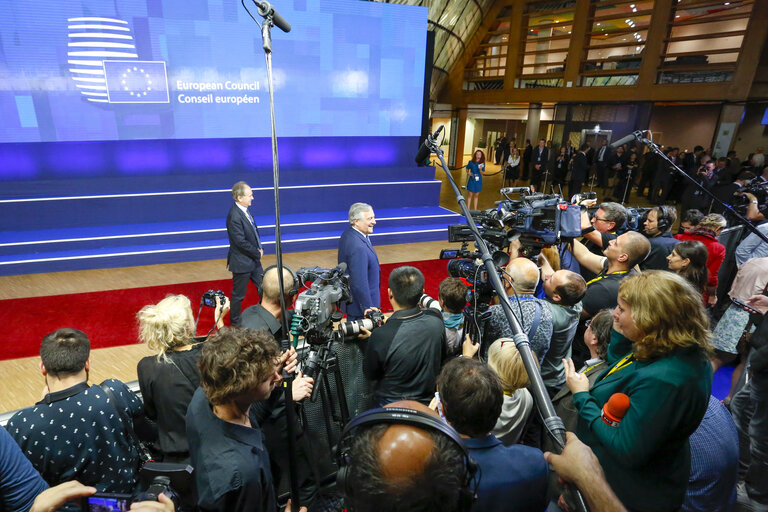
340, 394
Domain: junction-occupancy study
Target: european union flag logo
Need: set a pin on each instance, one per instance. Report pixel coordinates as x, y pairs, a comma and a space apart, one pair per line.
136, 81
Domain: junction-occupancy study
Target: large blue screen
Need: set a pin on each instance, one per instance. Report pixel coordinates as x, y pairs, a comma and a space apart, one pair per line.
92, 70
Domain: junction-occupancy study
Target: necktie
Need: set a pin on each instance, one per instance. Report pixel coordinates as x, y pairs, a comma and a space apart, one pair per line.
255, 229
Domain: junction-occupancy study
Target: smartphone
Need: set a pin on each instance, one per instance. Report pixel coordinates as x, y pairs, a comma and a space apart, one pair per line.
106, 502
745, 306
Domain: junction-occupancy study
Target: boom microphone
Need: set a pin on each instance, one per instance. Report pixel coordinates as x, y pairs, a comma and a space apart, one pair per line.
615, 409
267, 10
628, 138
424, 149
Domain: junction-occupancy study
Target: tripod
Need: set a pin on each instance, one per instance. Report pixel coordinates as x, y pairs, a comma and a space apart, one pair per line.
319, 364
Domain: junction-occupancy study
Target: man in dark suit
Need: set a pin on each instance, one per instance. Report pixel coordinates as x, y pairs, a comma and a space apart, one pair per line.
601, 164
539, 159
579, 170
356, 250
245, 249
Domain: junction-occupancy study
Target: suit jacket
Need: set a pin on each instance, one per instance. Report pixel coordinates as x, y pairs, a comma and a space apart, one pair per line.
580, 168
543, 160
244, 255
606, 155
647, 457
364, 274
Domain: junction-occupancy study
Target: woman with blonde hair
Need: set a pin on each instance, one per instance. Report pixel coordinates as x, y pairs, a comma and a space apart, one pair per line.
169, 379
659, 358
505, 360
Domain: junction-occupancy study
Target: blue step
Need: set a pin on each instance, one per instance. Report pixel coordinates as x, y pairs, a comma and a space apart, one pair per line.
99, 237
54, 261
51, 213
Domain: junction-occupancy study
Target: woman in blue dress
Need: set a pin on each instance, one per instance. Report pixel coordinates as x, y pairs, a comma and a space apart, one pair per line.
475, 171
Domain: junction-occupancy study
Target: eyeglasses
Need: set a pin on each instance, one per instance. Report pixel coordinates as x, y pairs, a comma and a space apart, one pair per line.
587, 323
598, 218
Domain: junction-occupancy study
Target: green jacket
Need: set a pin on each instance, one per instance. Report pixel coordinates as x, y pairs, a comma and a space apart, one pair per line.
647, 457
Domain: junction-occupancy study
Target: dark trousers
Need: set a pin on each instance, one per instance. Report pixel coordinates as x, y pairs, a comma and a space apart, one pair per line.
662, 185
240, 287
602, 174
574, 187
750, 412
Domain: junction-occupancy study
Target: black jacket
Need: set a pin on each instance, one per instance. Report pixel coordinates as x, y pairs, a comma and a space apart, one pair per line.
244, 245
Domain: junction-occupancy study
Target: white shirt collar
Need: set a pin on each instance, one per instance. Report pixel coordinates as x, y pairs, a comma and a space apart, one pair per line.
364, 235
244, 209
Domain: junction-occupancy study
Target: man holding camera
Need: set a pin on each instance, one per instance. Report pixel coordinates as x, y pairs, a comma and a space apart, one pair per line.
245, 249
694, 196
403, 357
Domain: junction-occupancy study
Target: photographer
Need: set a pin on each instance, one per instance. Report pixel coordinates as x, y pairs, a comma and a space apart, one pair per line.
239, 370
168, 380
403, 357
535, 317
693, 196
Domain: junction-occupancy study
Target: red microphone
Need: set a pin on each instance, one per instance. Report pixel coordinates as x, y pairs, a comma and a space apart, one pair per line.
615, 409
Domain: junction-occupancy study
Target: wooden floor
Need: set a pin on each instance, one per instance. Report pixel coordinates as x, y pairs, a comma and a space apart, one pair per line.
22, 381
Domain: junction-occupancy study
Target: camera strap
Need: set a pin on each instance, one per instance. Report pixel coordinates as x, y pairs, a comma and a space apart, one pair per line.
536, 319
143, 452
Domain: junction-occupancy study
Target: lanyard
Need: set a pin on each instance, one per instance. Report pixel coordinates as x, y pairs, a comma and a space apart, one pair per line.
626, 361
606, 275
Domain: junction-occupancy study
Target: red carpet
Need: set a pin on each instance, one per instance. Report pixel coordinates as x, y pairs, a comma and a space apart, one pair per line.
109, 318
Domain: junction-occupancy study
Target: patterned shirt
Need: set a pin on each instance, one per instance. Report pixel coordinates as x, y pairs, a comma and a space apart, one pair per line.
77, 433
497, 326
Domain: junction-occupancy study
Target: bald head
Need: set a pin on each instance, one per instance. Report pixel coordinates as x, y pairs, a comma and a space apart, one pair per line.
271, 286
402, 468
631, 248
404, 450
565, 287
524, 274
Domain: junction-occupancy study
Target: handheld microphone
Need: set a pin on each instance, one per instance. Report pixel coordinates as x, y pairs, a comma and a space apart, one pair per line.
615, 409
515, 190
266, 10
424, 149
628, 138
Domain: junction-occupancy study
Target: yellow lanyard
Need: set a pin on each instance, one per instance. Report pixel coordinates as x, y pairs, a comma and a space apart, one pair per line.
626, 361
603, 277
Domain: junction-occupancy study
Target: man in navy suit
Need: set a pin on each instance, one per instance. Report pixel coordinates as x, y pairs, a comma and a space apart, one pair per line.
245, 249
356, 251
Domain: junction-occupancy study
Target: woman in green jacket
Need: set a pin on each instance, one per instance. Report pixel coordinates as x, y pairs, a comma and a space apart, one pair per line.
658, 357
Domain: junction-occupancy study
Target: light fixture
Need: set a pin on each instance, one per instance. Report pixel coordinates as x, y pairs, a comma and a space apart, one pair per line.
597, 128
632, 6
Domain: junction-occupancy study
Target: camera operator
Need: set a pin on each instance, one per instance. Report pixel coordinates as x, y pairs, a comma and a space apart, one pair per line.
452, 297
693, 196
608, 220
266, 316
657, 228
239, 371
725, 192
403, 357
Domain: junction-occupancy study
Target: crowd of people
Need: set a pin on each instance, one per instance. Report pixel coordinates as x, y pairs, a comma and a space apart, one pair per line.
448, 421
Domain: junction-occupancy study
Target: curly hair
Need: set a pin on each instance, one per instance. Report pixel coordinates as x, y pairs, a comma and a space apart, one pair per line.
669, 313
235, 360
166, 325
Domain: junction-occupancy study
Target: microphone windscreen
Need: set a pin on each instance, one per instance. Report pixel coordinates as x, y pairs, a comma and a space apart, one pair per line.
617, 405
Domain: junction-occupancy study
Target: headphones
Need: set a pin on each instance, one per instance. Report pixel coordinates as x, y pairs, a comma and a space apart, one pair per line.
402, 416
663, 220
295, 285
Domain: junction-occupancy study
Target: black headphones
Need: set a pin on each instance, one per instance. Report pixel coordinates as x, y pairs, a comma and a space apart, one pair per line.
402, 416
295, 285
663, 220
